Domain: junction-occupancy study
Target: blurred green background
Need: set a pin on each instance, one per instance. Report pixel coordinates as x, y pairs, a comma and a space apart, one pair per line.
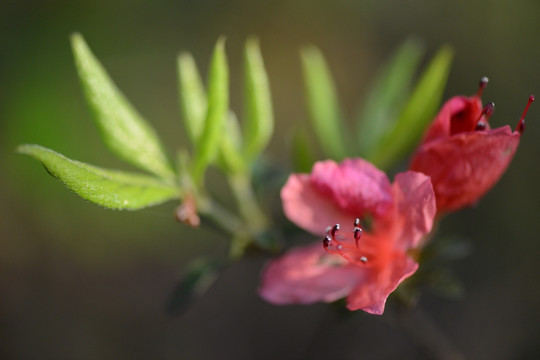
81, 282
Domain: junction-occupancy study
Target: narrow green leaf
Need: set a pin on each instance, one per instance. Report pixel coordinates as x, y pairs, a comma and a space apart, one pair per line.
230, 155
109, 188
123, 130
218, 104
419, 110
303, 158
387, 96
259, 122
323, 106
192, 96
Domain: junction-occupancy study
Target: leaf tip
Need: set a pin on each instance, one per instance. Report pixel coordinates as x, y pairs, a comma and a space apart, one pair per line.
252, 43
77, 41
309, 51
25, 149
184, 56
446, 51
220, 43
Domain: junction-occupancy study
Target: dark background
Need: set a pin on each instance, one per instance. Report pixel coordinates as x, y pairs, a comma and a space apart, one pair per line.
81, 282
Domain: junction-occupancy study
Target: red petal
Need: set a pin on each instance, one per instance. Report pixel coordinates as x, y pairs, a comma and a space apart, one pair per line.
465, 166
458, 114
306, 275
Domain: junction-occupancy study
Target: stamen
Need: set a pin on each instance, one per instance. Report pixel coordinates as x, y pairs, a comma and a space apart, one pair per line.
482, 85
327, 242
480, 126
486, 113
357, 235
334, 230
332, 244
521, 124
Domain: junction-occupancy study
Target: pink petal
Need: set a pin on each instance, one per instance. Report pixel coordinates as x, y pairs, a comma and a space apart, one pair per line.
355, 185
306, 275
465, 166
415, 202
309, 209
371, 294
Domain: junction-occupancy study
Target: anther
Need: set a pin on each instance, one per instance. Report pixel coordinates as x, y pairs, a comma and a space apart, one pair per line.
489, 109
334, 230
521, 124
363, 259
482, 85
357, 235
486, 113
327, 241
480, 126
356, 222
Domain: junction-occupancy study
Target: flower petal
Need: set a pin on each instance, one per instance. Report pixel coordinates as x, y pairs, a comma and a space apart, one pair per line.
306, 275
458, 114
355, 185
308, 208
415, 203
371, 294
478, 160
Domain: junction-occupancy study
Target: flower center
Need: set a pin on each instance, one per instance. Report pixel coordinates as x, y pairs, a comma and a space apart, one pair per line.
335, 243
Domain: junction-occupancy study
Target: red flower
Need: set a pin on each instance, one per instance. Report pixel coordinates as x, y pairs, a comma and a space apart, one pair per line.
461, 153
366, 266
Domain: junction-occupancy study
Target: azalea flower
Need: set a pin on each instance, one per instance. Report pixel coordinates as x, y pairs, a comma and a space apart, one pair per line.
364, 264
462, 154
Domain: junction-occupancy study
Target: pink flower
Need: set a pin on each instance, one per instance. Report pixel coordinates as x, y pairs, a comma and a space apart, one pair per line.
366, 266
461, 153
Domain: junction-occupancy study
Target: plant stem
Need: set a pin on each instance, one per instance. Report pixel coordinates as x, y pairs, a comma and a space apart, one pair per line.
247, 203
220, 215
255, 219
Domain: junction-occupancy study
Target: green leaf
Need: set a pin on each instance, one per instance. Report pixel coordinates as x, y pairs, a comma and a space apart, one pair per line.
192, 96
197, 280
123, 130
387, 96
218, 104
109, 188
302, 157
323, 106
419, 110
259, 122
230, 155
